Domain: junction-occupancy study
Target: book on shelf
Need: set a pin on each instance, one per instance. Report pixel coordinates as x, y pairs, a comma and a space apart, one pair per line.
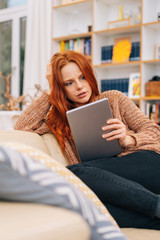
66, 45
157, 113
87, 46
120, 84
152, 110
134, 85
122, 49
106, 54
135, 52
71, 44
76, 49
81, 45
147, 109
157, 51
62, 46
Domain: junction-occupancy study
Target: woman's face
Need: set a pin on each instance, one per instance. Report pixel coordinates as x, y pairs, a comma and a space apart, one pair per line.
77, 88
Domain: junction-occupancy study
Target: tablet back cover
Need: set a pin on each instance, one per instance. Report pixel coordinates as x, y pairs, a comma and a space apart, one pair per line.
86, 124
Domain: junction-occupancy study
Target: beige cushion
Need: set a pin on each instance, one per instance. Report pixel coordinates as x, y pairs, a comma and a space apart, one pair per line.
20, 221
54, 148
46, 143
141, 234
29, 138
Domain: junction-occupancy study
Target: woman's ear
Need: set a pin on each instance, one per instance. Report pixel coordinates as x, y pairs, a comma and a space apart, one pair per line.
49, 74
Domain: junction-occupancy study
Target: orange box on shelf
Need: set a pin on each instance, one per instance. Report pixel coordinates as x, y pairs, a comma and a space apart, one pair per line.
153, 88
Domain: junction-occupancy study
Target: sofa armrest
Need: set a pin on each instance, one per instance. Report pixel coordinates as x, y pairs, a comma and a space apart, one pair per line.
54, 148
46, 142
25, 221
28, 138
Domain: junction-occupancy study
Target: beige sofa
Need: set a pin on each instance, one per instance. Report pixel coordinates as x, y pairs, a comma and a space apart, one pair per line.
21, 221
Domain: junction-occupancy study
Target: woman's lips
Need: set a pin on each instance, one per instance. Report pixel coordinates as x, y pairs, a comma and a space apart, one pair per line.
82, 95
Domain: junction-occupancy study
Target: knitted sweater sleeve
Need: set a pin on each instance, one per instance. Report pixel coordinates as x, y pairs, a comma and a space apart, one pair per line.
71, 152
145, 131
32, 119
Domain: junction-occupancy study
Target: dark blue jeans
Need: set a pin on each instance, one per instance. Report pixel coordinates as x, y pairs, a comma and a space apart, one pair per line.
128, 186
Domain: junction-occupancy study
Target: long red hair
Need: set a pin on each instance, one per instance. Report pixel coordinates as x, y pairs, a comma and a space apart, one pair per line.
56, 119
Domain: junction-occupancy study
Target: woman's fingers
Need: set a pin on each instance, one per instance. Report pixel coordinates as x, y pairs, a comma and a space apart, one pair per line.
114, 137
112, 126
117, 130
114, 134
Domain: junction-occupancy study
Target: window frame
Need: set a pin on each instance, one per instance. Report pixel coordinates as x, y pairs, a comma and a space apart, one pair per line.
14, 14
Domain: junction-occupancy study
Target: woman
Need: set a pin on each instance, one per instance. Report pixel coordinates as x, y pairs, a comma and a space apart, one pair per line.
127, 184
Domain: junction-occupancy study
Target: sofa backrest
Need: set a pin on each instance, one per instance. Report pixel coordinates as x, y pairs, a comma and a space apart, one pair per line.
54, 148
46, 143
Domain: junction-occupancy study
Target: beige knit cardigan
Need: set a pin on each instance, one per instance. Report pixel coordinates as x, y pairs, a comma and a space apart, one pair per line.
145, 132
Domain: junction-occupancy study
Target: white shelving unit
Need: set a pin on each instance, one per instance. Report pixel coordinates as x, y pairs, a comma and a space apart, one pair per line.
150, 37
72, 18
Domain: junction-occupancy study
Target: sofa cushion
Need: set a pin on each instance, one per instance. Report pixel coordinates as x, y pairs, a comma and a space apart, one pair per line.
23, 178
54, 148
23, 221
28, 138
46, 142
141, 234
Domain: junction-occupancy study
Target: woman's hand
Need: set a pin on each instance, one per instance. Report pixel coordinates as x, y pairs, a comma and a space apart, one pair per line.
117, 130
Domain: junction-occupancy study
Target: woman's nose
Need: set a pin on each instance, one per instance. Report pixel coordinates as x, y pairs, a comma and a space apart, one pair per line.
79, 85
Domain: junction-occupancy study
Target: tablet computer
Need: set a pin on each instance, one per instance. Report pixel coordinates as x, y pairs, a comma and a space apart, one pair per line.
86, 124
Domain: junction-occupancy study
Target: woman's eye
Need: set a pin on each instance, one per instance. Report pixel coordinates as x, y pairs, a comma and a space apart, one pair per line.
82, 77
68, 84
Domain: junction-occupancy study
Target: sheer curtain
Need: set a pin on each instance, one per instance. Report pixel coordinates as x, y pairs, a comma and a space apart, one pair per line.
38, 45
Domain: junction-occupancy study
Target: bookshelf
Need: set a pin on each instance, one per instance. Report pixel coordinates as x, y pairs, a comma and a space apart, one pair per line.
72, 18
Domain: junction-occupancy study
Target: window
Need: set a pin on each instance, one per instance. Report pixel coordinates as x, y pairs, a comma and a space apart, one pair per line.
13, 16
22, 51
5, 46
11, 3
